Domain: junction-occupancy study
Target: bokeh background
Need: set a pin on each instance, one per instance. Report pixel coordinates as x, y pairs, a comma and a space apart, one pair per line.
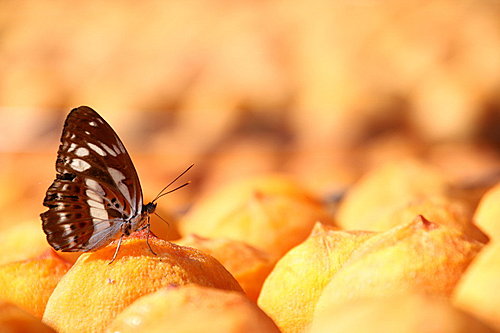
321, 90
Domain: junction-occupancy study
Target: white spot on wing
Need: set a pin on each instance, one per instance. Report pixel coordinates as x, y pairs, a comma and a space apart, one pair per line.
108, 149
118, 177
93, 185
79, 165
97, 149
67, 228
96, 204
81, 152
120, 146
93, 195
93, 123
72, 147
99, 216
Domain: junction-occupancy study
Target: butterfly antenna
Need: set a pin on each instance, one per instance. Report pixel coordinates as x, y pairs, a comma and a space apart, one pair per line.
161, 218
173, 181
172, 190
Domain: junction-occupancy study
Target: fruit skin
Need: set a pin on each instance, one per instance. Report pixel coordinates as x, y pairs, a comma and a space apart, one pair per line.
409, 313
290, 293
249, 266
94, 291
438, 209
420, 256
29, 283
487, 215
334, 267
192, 308
478, 290
386, 189
15, 320
271, 213
21, 241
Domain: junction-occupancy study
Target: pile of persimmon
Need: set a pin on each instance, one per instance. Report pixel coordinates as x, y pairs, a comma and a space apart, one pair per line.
402, 251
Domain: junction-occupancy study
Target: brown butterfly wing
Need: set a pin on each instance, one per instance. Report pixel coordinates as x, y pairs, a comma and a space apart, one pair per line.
96, 189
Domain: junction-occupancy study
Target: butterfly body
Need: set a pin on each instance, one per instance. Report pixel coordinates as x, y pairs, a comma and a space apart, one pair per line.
96, 196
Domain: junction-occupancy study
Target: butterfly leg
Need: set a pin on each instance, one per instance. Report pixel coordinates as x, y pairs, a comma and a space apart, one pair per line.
148, 225
117, 248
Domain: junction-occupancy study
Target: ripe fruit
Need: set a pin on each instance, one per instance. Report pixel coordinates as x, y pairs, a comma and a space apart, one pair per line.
477, 291
192, 308
420, 256
290, 293
409, 313
248, 265
15, 320
94, 291
271, 213
29, 283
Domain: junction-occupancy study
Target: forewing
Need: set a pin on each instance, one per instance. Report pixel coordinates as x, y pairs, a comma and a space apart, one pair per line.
96, 187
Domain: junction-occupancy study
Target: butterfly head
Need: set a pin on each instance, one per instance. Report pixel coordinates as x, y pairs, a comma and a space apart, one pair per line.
149, 208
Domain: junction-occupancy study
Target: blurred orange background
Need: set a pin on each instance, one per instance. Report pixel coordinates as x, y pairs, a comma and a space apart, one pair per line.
322, 90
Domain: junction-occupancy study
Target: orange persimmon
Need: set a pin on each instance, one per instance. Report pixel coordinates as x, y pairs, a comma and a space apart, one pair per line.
487, 215
249, 265
29, 283
22, 241
15, 320
270, 212
94, 291
421, 256
477, 291
409, 313
192, 308
386, 189
292, 289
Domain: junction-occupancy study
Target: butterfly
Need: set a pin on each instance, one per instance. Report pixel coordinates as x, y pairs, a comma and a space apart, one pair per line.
96, 197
